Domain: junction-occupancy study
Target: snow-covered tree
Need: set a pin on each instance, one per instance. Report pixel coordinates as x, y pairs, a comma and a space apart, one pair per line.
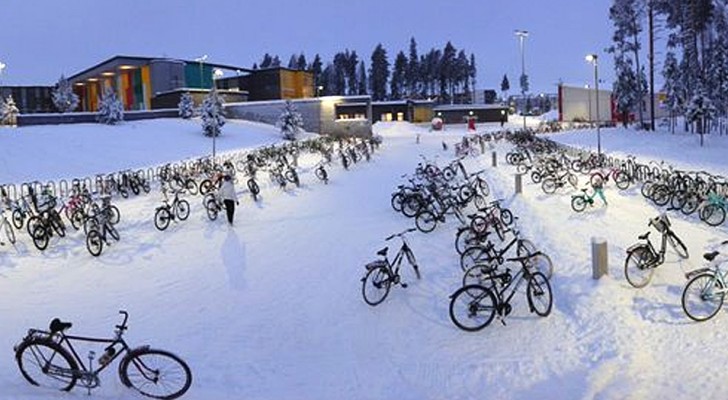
63, 97
290, 121
699, 111
186, 106
361, 79
213, 114
111, 111
397, 83
8, 111
379, 73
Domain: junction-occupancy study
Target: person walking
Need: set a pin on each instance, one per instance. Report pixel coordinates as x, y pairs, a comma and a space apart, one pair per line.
229, 197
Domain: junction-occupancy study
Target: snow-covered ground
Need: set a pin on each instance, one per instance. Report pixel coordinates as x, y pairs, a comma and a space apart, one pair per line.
271, 308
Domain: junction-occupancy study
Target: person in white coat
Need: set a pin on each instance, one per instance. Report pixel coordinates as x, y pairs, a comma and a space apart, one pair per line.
229, 197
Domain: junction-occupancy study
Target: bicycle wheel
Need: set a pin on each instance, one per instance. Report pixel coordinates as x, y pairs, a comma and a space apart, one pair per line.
45, 363
375, 285
411, 206
156, 373
621, 179
40, 237
712, 214
9, 232
426, 221
578, 203
472, 307
18, 219
678, 245
536, 177
111, 230
32, 223
637, 268
483, 187
480, 201
548, 186
473, 255
506, 216
212, 210
94, 243
321, 174
702, 297
183, 210
478, 224
114, 214
464, 239
161, 218
191, 186
396, 202
691, 204
77, 219
538, 292
205, 187
541, 263
596, 179
479, 275
525, 247
253, 187
54, 220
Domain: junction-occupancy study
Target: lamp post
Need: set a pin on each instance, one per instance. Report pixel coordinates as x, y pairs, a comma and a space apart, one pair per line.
319, 88
201, 60
592, 58
588, 95
522, 35
2, 68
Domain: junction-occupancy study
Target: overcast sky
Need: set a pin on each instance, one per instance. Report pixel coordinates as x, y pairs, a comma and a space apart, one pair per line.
43, 38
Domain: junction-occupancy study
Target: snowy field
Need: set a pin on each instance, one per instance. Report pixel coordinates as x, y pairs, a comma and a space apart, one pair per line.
271, 308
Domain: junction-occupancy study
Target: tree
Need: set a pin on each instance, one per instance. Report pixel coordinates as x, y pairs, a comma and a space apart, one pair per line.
8, 111
627, 16
293, 62
316, 69
627, 98
290, 122
301, 62
276, 62
447, 76
213, 114
473, 73
267, 61
397, 83
63, 97
412, 74
505, 86
379, 73
699, 111
361, 79
111, 111
186, 106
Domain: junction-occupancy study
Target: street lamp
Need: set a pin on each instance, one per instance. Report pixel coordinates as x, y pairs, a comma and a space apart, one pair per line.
201, 60
592, 58
319, 88
2, 68
522, 35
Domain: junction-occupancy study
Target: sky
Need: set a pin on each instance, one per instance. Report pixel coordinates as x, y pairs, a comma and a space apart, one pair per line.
43, 39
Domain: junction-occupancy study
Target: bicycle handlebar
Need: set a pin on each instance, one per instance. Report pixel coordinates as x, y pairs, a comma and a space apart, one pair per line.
123, 326
400, 234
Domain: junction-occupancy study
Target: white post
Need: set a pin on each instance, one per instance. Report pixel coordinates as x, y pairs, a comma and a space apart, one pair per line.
519, 183
600, 265
495, 159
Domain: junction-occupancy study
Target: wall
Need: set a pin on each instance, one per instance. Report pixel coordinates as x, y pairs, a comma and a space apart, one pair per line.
166, 75
90, 117
579, 104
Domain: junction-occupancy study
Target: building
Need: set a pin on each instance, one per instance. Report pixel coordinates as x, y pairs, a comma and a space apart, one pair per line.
397, 110
579, 104
275, 83
460, 113
30, 99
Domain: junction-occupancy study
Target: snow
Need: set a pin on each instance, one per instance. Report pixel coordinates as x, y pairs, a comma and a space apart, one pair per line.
271, 308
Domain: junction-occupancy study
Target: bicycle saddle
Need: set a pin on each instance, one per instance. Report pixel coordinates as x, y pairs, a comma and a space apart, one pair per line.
711, 256
58, 326
643, 237
383, 252
584, 190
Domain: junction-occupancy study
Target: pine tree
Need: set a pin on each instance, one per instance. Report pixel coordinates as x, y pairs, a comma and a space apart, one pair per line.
337, 79
8, 111
379, 73
447, 73
301, 62
473, 73
63, 97
505, 86
290, 122
624, 87
361, 79
293, 62
412, 75
276, 62
627, 17
111, 111
316, 68
213, 114
673, 88
352, 61
397, 83
267, 61
186, 106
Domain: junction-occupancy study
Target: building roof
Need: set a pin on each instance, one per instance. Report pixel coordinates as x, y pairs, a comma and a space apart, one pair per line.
465, 107
136, 61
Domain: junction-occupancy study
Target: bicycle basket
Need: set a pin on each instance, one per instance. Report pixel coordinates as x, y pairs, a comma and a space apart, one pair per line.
661, 223
375, 264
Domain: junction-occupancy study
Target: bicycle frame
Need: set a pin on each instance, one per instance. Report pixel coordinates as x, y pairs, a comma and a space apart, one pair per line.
66, 342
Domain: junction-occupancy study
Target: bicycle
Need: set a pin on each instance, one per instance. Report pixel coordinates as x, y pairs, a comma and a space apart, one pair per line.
579, 202
49, 359
97, 234
179, 208
481, 303
642, 258
487, 254
6, 226
704, 294
382, 274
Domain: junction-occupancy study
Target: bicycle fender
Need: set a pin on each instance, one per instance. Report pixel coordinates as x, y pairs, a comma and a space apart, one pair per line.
635, 246
124, 361
691, 274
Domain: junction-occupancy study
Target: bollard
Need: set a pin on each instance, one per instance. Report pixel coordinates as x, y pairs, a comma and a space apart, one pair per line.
519, 183
599, 257
495, 159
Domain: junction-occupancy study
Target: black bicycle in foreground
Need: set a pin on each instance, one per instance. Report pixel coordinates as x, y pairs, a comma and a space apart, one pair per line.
49, 359
382, 274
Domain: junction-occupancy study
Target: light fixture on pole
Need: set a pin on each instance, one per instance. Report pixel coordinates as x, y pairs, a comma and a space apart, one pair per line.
522, 35
201, 60
319, 88
2, 68
592, 58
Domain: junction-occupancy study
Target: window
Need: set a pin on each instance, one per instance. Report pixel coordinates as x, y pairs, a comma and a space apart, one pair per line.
400, 116
386, 117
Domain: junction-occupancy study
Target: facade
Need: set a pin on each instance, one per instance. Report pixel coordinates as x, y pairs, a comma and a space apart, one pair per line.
30, 99
460, 113
276, 83
579, 104
415, 111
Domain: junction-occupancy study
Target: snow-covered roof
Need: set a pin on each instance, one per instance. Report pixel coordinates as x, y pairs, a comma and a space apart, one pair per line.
457, 107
